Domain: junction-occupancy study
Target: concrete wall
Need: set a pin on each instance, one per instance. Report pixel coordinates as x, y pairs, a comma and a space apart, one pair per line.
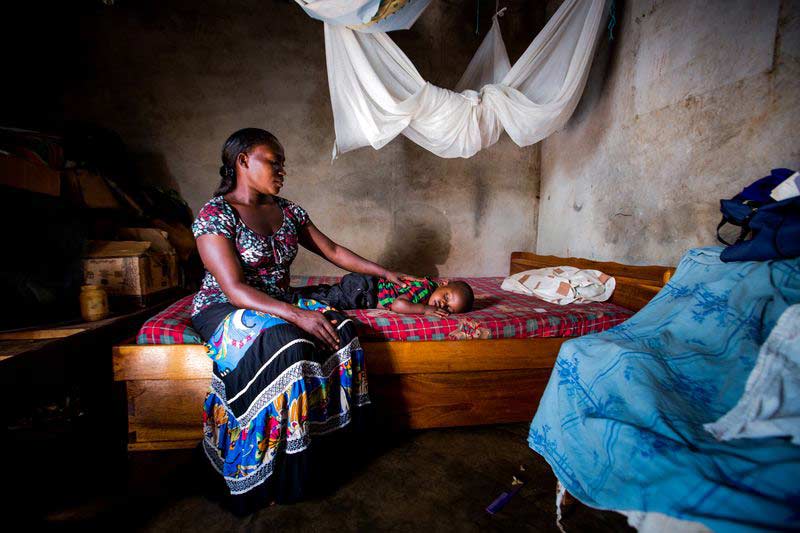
176, 78
691, 101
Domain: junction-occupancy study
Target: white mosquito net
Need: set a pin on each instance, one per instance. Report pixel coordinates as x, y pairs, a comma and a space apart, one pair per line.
377, 93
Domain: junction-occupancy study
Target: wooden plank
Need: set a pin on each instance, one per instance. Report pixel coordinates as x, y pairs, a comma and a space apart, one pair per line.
22, 174
12, 348
161, 410
36, 334
419, 401
165, 445
167, 414
161, 362
189, 361
22, 355
460, 356
633, 297
654, 275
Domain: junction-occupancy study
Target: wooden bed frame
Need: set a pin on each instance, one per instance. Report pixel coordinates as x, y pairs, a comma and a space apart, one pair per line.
423, 384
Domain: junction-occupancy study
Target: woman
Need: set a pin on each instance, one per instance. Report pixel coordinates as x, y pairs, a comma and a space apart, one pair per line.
282, 375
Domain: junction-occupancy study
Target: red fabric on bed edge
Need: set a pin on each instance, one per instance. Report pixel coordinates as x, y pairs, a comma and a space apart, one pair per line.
498, 314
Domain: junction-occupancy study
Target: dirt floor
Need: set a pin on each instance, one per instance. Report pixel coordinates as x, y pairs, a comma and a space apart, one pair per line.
433, 480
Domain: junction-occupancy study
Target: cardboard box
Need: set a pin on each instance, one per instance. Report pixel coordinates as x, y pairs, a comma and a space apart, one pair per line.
21, 174
134, 272
86, 189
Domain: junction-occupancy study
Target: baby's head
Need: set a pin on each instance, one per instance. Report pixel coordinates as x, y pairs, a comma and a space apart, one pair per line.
453, 296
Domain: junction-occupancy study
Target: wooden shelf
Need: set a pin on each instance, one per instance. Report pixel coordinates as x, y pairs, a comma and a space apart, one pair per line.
39, 334
20, 344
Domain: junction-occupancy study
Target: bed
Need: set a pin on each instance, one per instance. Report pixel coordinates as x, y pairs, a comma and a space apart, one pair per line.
484, 367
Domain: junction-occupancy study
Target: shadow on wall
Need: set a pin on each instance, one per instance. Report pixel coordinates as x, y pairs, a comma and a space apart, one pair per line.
419, 240
604, 64
594, 111
153, 169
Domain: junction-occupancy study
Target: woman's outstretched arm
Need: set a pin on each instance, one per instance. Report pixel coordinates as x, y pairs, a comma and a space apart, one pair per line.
319, 243
219, 257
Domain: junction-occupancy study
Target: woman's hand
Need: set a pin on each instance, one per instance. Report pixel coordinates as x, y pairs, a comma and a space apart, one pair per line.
315, 323
400, 278
431, 310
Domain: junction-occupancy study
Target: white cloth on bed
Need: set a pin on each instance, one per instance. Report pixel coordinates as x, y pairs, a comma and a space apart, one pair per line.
770, 405
562, 285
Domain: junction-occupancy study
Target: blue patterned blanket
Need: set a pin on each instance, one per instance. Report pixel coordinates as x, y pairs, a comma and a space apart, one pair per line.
621, 420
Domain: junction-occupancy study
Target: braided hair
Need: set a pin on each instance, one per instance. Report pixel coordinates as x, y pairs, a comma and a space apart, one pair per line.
242, 141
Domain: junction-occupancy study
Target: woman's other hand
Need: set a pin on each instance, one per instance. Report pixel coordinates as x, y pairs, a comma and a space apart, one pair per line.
431, 310
316, 324
400, 278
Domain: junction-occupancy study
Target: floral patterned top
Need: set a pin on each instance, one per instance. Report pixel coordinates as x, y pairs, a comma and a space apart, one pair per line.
265, 259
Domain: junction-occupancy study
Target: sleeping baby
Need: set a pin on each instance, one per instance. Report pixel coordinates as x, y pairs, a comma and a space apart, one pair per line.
358, 291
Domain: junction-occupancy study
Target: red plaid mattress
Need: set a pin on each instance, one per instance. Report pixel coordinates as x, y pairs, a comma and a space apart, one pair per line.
498, 314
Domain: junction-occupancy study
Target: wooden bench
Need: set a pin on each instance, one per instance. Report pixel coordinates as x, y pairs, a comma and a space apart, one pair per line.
416, 385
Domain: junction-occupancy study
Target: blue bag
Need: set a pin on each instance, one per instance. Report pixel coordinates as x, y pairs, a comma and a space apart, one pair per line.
774, 226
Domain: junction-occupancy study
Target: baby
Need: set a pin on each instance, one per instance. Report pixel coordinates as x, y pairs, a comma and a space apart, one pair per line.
358, 291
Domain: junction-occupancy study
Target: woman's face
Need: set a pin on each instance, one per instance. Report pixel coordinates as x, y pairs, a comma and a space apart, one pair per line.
263, 168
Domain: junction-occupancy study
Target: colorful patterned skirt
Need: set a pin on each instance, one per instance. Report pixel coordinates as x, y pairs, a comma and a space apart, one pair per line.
273, 391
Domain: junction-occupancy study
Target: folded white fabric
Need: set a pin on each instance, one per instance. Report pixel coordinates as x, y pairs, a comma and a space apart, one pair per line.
562, 285
770, 405
367, 16
341, 12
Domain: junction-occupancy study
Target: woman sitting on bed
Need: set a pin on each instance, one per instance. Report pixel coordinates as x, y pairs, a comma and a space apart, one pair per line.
282, 374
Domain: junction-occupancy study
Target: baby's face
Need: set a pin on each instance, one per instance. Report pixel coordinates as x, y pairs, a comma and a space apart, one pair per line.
448, 299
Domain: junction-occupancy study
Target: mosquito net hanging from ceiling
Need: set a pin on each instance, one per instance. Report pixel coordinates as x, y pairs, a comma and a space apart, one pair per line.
376, 93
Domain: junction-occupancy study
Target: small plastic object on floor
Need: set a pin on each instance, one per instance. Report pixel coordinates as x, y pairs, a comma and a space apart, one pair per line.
517, 482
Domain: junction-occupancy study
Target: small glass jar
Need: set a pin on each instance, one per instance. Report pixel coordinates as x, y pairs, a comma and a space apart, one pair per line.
94, 303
